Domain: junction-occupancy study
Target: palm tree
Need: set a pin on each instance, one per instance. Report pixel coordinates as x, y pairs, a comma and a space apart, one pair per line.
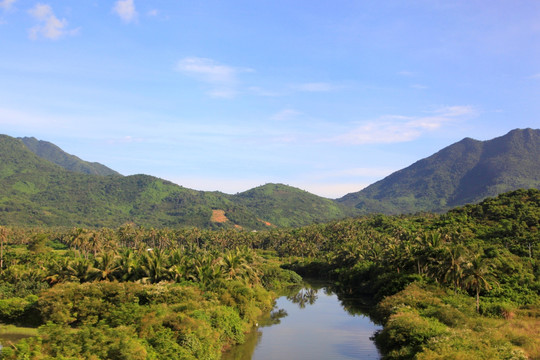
127, 265
77, 238
81, 269
153, 264
427, 244
452, 265
3, 240
477, 276
106, 265
60, 270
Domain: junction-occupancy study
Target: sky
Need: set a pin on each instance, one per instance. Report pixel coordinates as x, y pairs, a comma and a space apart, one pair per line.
326, 96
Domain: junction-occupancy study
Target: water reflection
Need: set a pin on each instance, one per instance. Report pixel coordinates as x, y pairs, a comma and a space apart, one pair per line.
303, 297
312, 323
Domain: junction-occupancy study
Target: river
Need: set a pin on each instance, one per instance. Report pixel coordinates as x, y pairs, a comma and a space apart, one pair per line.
310, 323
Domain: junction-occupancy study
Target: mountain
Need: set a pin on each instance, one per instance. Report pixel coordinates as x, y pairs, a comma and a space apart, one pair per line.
283, 206
35, 191
54, 154
465, 172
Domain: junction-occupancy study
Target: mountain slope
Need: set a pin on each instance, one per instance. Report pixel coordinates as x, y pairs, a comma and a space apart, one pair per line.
35, 191
465, 172
281, 205
54, 154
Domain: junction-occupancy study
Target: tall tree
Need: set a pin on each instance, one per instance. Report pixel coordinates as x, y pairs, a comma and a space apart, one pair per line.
478, 276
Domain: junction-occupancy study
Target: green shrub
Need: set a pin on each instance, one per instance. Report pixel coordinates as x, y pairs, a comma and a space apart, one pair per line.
406, 332
20, 310
497, 309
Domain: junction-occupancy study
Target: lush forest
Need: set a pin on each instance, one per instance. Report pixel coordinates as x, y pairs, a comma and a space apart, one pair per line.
460, 285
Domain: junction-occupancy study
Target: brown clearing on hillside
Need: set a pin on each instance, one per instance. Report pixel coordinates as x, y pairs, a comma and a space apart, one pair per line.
265, 222
218, 216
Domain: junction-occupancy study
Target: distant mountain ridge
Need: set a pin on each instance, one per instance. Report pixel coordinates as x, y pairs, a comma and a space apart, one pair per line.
465, 172
54, 154
36, 191
40, 184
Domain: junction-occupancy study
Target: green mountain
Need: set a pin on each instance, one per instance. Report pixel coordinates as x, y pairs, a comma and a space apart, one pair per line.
54, 154
283, 206
465, 172
35, 191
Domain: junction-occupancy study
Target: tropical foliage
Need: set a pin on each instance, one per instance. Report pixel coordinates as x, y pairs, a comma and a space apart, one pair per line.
464, 284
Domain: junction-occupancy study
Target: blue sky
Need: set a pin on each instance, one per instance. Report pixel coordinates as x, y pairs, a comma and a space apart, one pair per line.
327, 96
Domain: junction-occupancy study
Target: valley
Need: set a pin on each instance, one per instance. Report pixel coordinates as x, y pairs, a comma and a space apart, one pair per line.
181, 273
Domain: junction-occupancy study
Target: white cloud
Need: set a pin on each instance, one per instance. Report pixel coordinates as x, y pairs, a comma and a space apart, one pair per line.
406, 73
222, 78
49, 26
207, 70
263, 92
315, 87
6, 4
153, 12
125, 9
285, 115
397, 128
535, 76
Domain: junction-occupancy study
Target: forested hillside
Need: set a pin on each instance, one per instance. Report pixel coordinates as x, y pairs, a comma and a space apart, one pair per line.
462, 173
35, 191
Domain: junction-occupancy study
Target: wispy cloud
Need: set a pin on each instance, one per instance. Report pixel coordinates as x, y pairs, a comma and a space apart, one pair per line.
223, 79
25, 120
316, 87
49, 26
406, 73
125, 9
286, 115
535, 76
256, 90
398, 128
124, 140
153, 12
6, 4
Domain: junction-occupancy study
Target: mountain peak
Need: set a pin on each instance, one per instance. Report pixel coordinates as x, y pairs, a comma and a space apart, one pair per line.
464, 172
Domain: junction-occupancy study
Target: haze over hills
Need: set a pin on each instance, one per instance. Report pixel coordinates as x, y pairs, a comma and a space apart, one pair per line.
36, 191
465, 172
